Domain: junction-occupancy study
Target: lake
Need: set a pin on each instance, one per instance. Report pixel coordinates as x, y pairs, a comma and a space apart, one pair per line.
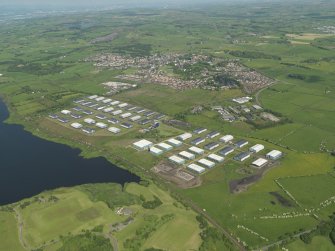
30, 165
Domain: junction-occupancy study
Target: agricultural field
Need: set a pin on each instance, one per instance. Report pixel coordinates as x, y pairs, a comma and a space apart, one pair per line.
45, 68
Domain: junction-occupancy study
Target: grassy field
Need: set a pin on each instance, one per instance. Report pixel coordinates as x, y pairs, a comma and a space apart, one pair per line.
9, 232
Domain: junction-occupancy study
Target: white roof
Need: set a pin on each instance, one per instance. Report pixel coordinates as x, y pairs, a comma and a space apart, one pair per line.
108, 109
93, 96
123, 105
196, 168
165, 146
259, 162
174, 142
76, 125
256, 148
143, 143
100, 98
65, 111
274, 153
196, 150
114, 129
101, 125
206, 162
187, 155
227, 138
185, 136
107, 100
126, 115
137, 117
115, 102
156, 150
90, 121
216, 157
117, 112
177, 159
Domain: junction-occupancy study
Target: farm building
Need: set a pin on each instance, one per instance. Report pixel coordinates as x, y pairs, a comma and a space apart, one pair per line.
86, 103
256, 148
125, 115
93, 105
107, 100
197, 141
79, 101
207, 163
75, 116
144, 122
177, 160
63, 120
159, 116
149, 114
241, 143
196, 150
141, 110
101, 125
114, 130
53, 116
143, 144
156, 151
93, 97
126, 125
165, 147
113, 120
185, 136
257, 107
76, 125
88, 130
274, 155
215, 157
108, 109
187, 155
211, 146
123, 105
115, 102
89, 121
101, 116
242, 156
135, 118
131, 108
196, 168
117, 112
259, 162
99, 99
87, 112
174, 142
100, 108
78, 109
213, 134
227, 150
227, 138
66, 112
200, 130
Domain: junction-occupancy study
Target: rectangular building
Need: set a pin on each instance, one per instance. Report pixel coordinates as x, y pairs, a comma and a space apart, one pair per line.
108, 109
227, 150
211, 146
135, 118
174, 142
216, 157
101, 116
256, 148
76, 125
187, 155
114, 130
259, 162
101, 125
242, 156
156, 151
274, 155
207, 163
212, 135
227, 138
89, 121
196, 168
197, 141
123, 105
66, 112
113, 121
143, 144
117, 112
107, 100
196, 150
177, 160
88, 130
185, 136
126, 125
241, 143
200, 130
165, 147
125, 115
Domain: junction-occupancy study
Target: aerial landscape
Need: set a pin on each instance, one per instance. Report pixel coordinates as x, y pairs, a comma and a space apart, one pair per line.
167, 125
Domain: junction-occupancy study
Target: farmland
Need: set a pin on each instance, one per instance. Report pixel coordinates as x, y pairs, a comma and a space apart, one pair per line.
44, 74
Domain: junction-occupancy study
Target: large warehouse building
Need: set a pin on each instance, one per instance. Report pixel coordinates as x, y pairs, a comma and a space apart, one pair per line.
143, 144
274, 155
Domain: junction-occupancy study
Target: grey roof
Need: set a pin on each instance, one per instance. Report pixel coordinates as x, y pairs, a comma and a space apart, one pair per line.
197, 140
144, 121
241, 142
159, 116
76, 116
241, 155
113, 120
126, 125
198, 130
225, 150
212, 133
211, 145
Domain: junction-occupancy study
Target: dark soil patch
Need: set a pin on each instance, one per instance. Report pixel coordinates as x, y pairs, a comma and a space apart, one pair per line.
282, 200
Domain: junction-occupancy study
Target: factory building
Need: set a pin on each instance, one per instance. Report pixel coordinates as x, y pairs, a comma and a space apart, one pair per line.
126, 125
174, 142
125, 115
211, 146
200, 130
101, 125
135, 118
89, 121
76, 125
165, 147
156, 151
212, 135
66, 112
114, 130
259, 162
88, 130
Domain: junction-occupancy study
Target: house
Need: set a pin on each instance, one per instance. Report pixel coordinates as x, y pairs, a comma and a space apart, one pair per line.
197, 141
135, 118
200, 130
66, 112
196, 150
211, 146
113, 120
256, 148
206, 163
88, 130
241, 143
76, 125
126, 125
227, 138
143, 144
165, 147
89, 121
260, 162
114, 130
216, 158
274, 155
212, 135
242, 156
187, 155
196, 168
101, 125
177, 160
125, 115
174, 142
227, 150
156, 151
185, 136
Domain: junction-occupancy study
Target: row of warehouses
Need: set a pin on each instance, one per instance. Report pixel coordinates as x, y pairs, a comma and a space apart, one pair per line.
104, 111
214, 157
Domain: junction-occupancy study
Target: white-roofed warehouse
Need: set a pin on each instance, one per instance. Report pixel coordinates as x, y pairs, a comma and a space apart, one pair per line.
216, 157
156, 151
206, 163
177, 160
196, 168
256, 148
187, 155
164, 146
259, 162
185, 136
274, 155
196, 150
143, 144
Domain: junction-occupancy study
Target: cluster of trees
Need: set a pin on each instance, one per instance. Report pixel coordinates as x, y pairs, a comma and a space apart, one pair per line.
35, 68
253, 55
152, 204
134, 49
